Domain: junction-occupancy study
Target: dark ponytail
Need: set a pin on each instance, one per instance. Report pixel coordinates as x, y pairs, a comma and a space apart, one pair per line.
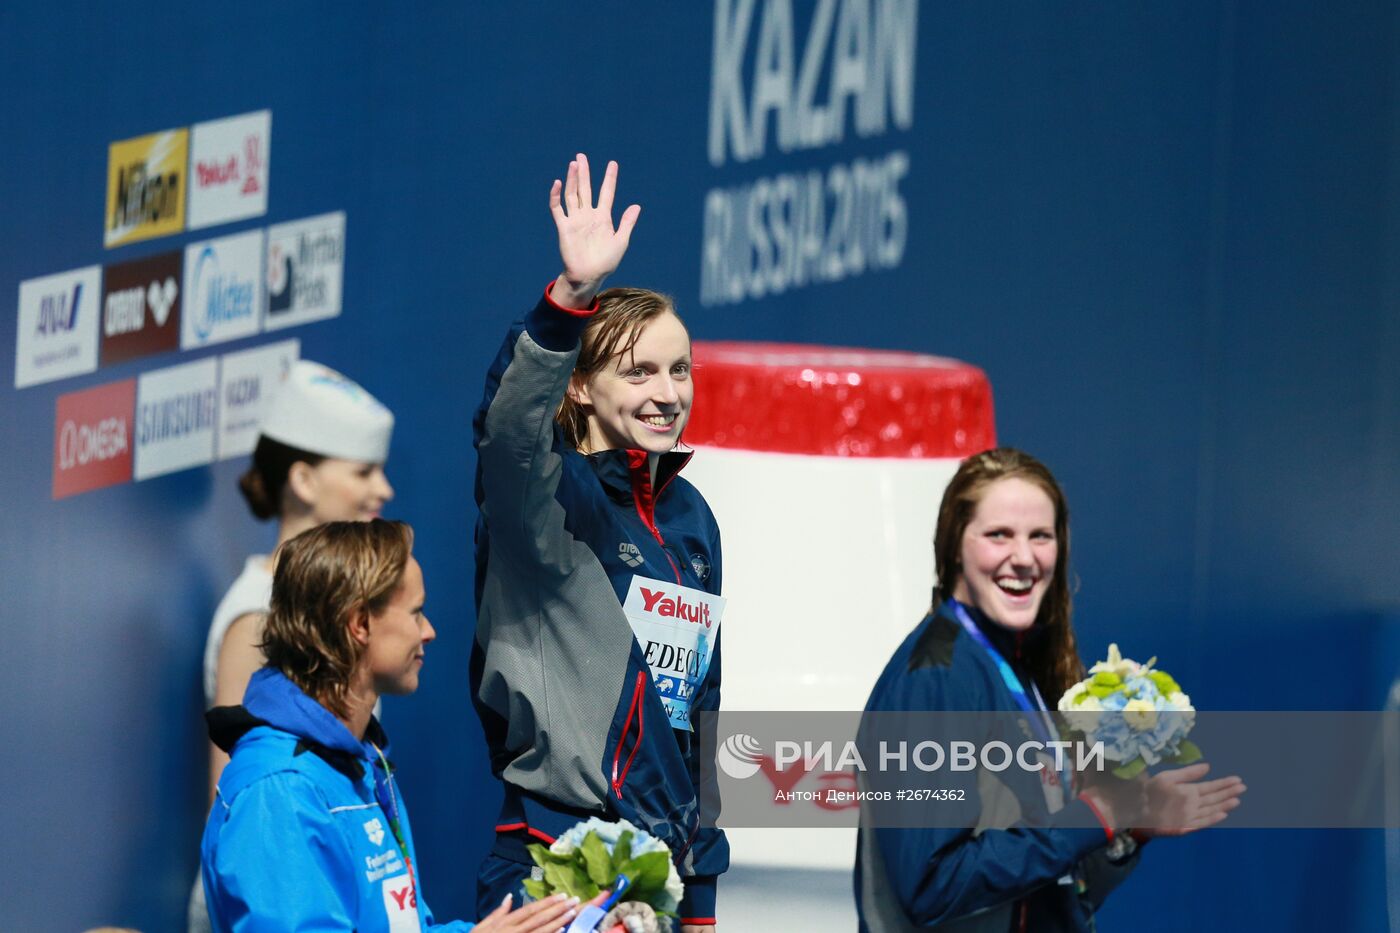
264, 481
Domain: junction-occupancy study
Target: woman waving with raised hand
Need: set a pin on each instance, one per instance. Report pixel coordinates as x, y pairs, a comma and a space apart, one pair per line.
586, 528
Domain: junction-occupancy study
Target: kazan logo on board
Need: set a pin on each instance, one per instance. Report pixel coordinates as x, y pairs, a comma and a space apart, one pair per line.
56, 335
305, 267
229, 167
141, 308
247, 380
92, 438
146, 187
176, 414
223, 289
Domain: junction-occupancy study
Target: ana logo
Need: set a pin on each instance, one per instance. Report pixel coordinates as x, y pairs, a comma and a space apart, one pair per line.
59, 326
630, 554
739, 756
701, 566
58, 313
374, 831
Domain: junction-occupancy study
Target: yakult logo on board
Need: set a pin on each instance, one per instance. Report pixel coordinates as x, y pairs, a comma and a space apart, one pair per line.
176, 414
92, 438
223, 289
57, 333
141, 308
305, 269
229, 167
247, 380
145, 187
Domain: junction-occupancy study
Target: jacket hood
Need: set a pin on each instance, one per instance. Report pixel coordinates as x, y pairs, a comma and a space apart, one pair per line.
273, 700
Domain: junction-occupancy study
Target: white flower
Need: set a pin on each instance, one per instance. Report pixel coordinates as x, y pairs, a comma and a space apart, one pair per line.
1140, 714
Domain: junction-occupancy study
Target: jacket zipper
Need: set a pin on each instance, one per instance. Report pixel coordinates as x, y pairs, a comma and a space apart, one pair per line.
634, 709
642, 498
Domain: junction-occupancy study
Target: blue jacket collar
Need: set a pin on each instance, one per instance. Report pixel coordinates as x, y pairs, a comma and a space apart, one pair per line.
275, 700
618, 469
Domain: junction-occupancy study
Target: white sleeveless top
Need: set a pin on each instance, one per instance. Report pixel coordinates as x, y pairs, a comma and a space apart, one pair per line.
251, 592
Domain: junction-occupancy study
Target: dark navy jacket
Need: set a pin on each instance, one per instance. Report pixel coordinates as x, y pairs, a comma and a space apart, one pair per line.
976, 878
573, 721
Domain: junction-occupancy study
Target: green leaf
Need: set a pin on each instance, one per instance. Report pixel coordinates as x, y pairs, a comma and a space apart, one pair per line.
1101, 691
1130, 770
1187, 753
1107, 679
597, 861
539, 890
543, 856
622, 852
570, 879
648, 875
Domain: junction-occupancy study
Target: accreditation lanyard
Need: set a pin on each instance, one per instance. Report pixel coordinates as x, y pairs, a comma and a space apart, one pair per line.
389, 806
1038, 712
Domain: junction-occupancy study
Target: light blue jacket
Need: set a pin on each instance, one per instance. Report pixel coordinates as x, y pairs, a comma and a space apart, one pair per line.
297, 838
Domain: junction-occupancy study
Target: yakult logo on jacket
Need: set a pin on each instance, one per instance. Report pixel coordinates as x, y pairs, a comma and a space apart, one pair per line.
92, 438
229, 169
675, 607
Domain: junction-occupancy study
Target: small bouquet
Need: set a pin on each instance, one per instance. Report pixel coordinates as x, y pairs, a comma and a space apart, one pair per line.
1150, 715
593, 854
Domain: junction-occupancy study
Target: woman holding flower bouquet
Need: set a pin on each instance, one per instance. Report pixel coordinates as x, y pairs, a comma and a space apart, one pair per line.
598, 566
1039, 849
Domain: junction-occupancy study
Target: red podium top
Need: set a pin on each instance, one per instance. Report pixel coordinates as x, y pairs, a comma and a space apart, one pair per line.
838, 402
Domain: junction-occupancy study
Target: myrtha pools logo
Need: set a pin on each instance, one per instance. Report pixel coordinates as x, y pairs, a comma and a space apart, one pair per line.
739, 756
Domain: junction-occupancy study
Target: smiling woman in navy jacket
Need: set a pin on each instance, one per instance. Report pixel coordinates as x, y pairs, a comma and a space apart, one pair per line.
1000, 640
583, 516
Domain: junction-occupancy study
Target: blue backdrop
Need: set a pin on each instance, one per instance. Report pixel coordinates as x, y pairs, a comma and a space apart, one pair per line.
1168, 232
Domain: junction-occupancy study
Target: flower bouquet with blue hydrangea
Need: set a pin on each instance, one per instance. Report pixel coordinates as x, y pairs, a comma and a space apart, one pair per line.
592, 855
1141, 715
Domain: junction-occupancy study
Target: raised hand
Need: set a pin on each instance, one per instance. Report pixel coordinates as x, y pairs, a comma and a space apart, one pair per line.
1179, 802
588, 244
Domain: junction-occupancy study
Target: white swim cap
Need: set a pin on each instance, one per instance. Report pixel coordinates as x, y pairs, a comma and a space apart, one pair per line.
318, 410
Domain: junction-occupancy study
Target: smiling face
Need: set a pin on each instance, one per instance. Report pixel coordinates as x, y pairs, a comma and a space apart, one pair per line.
640, 399
398, 635
343, 490
1008, 553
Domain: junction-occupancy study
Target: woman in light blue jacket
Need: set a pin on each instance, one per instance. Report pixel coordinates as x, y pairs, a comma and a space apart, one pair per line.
308, 828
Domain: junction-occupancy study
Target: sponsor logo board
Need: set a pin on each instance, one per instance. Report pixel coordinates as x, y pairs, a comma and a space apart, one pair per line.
176, 416
223, 289
92, 438
56, 335
305, 269
141, 308
146, 187
229, 169
247, 380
